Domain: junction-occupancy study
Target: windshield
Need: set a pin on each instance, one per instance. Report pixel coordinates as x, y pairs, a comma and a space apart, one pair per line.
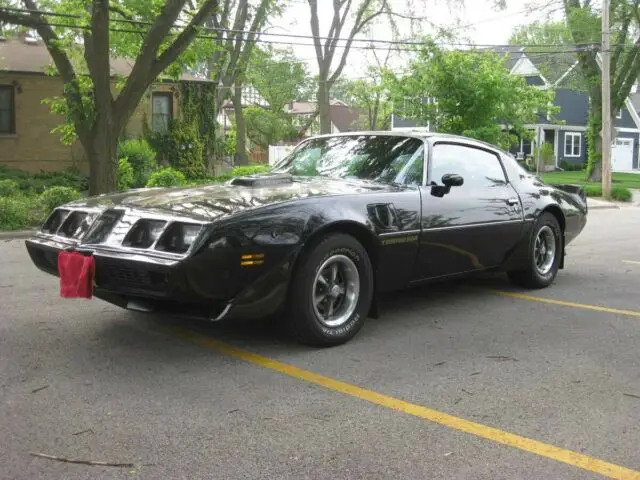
380, 158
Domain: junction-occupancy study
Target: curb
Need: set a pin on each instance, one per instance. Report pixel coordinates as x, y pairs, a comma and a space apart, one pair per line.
603, 207
17, 234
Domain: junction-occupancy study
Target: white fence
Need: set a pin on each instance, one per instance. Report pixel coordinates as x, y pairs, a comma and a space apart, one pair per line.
277, 152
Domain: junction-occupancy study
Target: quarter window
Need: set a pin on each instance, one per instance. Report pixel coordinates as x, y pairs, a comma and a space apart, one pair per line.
572, 144
7, 110
161, 111
478, 168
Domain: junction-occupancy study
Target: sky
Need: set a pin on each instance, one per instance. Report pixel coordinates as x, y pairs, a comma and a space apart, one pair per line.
483, 25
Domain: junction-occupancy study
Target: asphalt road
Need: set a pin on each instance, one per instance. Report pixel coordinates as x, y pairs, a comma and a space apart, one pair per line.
81, 379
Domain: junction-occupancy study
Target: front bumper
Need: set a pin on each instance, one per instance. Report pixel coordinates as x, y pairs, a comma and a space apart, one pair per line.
147, 283
132, 281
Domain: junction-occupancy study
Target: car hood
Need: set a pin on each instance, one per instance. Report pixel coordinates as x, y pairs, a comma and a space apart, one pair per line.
209, 202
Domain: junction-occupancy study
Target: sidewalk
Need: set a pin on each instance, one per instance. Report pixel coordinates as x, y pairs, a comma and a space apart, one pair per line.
599, 204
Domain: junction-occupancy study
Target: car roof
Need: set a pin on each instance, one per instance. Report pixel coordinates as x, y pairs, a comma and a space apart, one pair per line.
417, 133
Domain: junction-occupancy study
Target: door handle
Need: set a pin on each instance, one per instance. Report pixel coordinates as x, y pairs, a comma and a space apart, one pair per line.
512, 201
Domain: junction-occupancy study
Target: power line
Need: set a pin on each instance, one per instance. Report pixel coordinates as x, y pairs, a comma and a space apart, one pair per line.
260, 34
274, 42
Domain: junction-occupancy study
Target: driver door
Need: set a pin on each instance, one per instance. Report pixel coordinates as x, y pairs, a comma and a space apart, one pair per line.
468, 227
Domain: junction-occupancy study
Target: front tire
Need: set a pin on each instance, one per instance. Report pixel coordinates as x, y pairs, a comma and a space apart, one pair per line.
544, 254
331, 291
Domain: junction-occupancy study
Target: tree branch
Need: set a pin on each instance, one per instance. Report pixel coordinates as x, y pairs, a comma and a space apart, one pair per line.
64, 66
96, 54
256, 25
357, 27
184, 39
147, 67
18, 19
622, 37
315, 31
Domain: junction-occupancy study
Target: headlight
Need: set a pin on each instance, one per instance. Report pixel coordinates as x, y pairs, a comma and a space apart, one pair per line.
144, 233
178, 237
54, 221
77, 224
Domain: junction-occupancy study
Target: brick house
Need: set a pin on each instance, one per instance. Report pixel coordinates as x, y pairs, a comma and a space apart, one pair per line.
26, 141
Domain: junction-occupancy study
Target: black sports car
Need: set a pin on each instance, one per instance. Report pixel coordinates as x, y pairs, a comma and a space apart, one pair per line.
339, 219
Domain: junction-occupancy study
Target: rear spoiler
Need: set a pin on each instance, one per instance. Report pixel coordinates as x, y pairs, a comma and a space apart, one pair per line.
576, 191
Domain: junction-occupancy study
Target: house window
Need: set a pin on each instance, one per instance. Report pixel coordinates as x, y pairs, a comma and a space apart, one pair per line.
161, 111
7, 110
572, 144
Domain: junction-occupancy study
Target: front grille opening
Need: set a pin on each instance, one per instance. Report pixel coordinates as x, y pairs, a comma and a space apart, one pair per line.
178, 237
144, 233
54, 221
71, 225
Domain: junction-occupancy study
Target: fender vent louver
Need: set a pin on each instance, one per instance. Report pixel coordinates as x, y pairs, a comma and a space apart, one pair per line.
263, 180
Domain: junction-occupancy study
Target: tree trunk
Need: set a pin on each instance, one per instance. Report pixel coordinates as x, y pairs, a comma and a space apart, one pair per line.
324, 108
101, 152
241, 131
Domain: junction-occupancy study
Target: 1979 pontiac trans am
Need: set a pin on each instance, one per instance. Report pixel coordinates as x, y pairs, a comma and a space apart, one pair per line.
338, 220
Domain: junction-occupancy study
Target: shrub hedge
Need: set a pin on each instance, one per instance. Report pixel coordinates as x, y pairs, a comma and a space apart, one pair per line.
25, 201
166, 177
618, 193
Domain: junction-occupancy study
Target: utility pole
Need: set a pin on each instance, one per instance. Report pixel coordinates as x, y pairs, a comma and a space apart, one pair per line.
606, 101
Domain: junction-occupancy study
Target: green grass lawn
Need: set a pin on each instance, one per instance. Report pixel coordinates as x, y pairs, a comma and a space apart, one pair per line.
625, 180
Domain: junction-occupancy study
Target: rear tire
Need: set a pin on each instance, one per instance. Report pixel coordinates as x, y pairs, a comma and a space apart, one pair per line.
544, 254
331, 292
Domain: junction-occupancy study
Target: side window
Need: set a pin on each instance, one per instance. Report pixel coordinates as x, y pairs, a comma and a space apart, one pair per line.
477, 167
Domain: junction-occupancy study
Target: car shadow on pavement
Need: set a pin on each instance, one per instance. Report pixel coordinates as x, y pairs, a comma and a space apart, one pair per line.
397, 307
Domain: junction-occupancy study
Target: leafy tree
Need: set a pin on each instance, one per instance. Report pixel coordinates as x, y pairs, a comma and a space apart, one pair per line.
369, 94
327, 47
549, 45
475, 94
277, 75
148, 32
582, 20
279, 79
236, 27
625, 64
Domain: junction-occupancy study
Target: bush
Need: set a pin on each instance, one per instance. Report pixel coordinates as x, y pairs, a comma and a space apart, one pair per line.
125, 174
618, 193
20, 212
166, 177
621, 194
593, 190
571, 167
55, 196
243, 170
39, 182
142, 158
9, 188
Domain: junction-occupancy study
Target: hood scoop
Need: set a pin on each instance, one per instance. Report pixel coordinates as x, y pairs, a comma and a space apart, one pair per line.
263, 180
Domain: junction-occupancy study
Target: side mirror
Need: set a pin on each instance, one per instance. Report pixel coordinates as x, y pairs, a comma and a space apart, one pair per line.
452, 180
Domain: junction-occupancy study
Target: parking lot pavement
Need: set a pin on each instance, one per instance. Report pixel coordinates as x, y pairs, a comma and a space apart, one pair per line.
84, 380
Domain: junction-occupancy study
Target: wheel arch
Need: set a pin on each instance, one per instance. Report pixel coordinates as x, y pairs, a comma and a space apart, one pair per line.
365, 236
556, 211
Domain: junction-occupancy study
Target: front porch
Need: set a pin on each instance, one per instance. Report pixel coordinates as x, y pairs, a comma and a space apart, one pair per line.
524, 149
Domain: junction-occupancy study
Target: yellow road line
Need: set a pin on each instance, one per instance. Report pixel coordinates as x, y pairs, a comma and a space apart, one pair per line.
584, 306
631, 261
569, 457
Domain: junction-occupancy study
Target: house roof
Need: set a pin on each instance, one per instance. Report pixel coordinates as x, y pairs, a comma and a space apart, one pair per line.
342, 115
552, 65
513, 53
29, 55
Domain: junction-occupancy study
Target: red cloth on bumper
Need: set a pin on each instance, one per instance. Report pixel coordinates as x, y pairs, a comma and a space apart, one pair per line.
76, 275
